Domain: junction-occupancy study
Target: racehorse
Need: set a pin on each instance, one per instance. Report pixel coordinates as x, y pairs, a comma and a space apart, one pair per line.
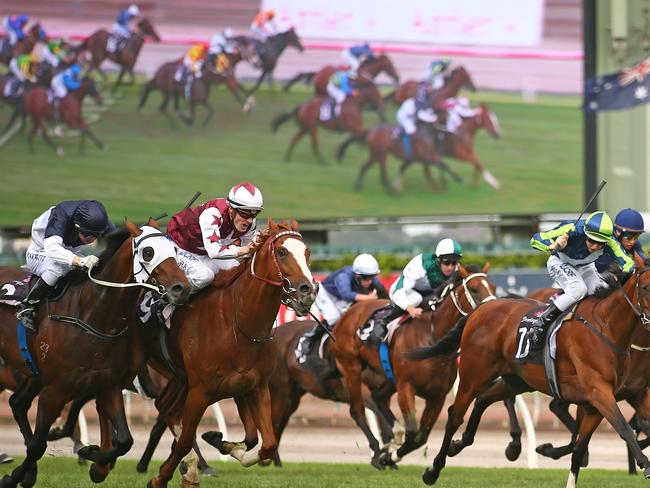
269, 51
84, 347
125, 57
386, 139
456, 79
291, 380
308, 116
368, 71
223, 345
592, 362
460, 143
467, 289
41, 110
24, 46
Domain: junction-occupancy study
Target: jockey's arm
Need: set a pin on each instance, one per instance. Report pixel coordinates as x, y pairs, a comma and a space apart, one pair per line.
616, 250
427, 115
542, 241
406, 294
54, 250
379, 288
209, 222
344, 287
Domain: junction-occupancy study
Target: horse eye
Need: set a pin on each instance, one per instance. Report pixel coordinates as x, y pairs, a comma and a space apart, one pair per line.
282, 252
148, 253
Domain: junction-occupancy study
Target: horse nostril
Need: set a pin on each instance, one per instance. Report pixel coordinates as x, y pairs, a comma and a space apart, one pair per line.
304, 289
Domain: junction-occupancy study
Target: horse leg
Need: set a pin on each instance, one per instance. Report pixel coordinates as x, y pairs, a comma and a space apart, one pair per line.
406, 401
119, 80
363, 170
50, 404
259, 404
590, 421
430, 414
405, 164
313, 133
156, 433
641, 404
71, 421
514, 447
163, 109
86, 130
383, 169
12, 119
479, 169
50, 142
561, 410
294, 140
194, 408
210, 110
20, 401
432, 181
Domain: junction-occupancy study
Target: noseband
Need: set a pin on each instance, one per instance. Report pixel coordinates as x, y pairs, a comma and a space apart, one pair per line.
468, 294
639, 311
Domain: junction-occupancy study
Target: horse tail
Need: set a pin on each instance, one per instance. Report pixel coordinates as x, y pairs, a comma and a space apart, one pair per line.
306, 77
360, 138
282, 118
446, 346
390, 97
145, 93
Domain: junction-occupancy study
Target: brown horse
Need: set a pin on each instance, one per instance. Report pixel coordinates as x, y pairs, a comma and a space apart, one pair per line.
42, 110
165, 80
308, 116
24, 46
386, 139
369, 70
460, 143
125, 57
456, 79
592, 363
468, 288
222, 343
84, 357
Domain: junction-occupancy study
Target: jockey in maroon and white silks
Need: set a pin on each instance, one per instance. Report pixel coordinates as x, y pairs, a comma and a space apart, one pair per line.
216, 234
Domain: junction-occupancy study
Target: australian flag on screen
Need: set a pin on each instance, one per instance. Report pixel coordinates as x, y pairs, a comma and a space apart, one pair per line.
617, 91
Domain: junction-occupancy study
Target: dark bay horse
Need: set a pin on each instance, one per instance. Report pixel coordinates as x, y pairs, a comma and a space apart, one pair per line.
369, 70
460, 143
223, 344
42, 110
386, 139
94, 357
269, 51
308, 116
456, 79
466, 290
24, 46
125, 57
592, 363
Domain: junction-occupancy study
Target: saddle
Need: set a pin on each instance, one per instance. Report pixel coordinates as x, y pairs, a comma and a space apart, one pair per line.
14, 292
327, 107
115, 44
381, 313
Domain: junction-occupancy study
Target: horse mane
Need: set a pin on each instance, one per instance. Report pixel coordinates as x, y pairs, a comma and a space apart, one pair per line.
113, 242
225, 278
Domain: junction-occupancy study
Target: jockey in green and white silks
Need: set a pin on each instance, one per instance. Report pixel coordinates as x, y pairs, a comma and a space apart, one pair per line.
422, 275
575, 248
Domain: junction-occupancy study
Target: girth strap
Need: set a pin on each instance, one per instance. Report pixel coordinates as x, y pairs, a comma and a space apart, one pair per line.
608, 342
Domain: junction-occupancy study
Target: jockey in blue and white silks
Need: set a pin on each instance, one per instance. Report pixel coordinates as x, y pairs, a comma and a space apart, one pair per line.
66, 81
408, 115
339, 87
354, 56
628, 227
434, 74
121, 26
575, 248
14, 25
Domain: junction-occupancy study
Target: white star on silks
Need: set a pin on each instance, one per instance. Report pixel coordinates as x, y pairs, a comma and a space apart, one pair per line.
641, 92
593, 105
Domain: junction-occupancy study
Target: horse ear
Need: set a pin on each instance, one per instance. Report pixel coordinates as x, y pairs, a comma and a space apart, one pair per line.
153, 223
486, 267
462, 271
294, 224
133, 229
271, 224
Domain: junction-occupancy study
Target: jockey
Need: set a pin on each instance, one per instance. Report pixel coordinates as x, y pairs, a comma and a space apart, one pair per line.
222, 43
23, 68
339, 86
457, 108
434, 73
14, 25
341, 289
408, 115
54, 52
57, 236
66, 80
264, 25
575, 248
121, 28
421, 277
628, 226
356, 55
215, 235
192, 66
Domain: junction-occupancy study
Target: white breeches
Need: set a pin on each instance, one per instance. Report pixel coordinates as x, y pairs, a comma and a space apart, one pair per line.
201, 270
406, 118
577, 282
58, 87
121, 31
331, 307
336, 93
41, 265
404, 297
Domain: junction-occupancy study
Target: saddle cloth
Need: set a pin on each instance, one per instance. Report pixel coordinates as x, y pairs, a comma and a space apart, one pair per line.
299, 351
14, 292
327, 109
391, 327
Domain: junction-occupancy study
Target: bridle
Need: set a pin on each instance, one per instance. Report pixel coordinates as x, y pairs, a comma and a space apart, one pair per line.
453, 292
638, 310
288, 291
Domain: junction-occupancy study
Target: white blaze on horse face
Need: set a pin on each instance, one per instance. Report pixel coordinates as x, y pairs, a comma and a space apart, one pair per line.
299, 251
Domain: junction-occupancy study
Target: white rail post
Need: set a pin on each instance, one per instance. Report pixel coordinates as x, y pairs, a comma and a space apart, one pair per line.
221, 425
531, 436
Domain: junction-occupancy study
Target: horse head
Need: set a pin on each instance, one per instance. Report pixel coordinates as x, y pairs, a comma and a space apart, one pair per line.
460, 78
487, 119
386, 65
36, 32
471, 287
154, 262
292, 39
146, 29
282, 259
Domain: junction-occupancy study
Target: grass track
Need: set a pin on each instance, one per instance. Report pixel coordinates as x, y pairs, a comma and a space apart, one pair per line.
148, 167
64, 472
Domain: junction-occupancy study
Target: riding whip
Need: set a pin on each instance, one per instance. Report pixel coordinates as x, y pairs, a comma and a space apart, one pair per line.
327, 331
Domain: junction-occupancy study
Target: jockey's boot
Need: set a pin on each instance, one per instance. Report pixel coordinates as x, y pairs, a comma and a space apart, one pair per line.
407, 145
27, 310
538, 331
189, 78
380, 326
313, 337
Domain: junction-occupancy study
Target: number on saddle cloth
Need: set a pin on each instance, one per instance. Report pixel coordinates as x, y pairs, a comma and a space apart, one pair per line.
154, 312
15, 291
523, 352
327, 109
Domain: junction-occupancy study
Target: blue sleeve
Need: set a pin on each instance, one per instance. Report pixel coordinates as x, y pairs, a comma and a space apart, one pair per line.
123, 17
344, 286
345, 84
71, 82
616, 250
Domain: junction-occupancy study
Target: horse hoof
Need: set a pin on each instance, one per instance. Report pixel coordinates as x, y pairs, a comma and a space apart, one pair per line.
376, 463
543, 449
265, 462
55, 434
88, 452
96, 476
513, 451
646, 473
209, 471
6, 482
215, 439
183, 468
429, 476
30, 478
141, 468
454, 448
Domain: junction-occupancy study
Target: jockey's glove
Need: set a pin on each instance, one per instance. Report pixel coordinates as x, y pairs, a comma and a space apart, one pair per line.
88, 261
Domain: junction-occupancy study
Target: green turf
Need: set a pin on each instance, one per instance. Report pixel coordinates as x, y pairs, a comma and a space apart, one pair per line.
64, 472
149, 167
